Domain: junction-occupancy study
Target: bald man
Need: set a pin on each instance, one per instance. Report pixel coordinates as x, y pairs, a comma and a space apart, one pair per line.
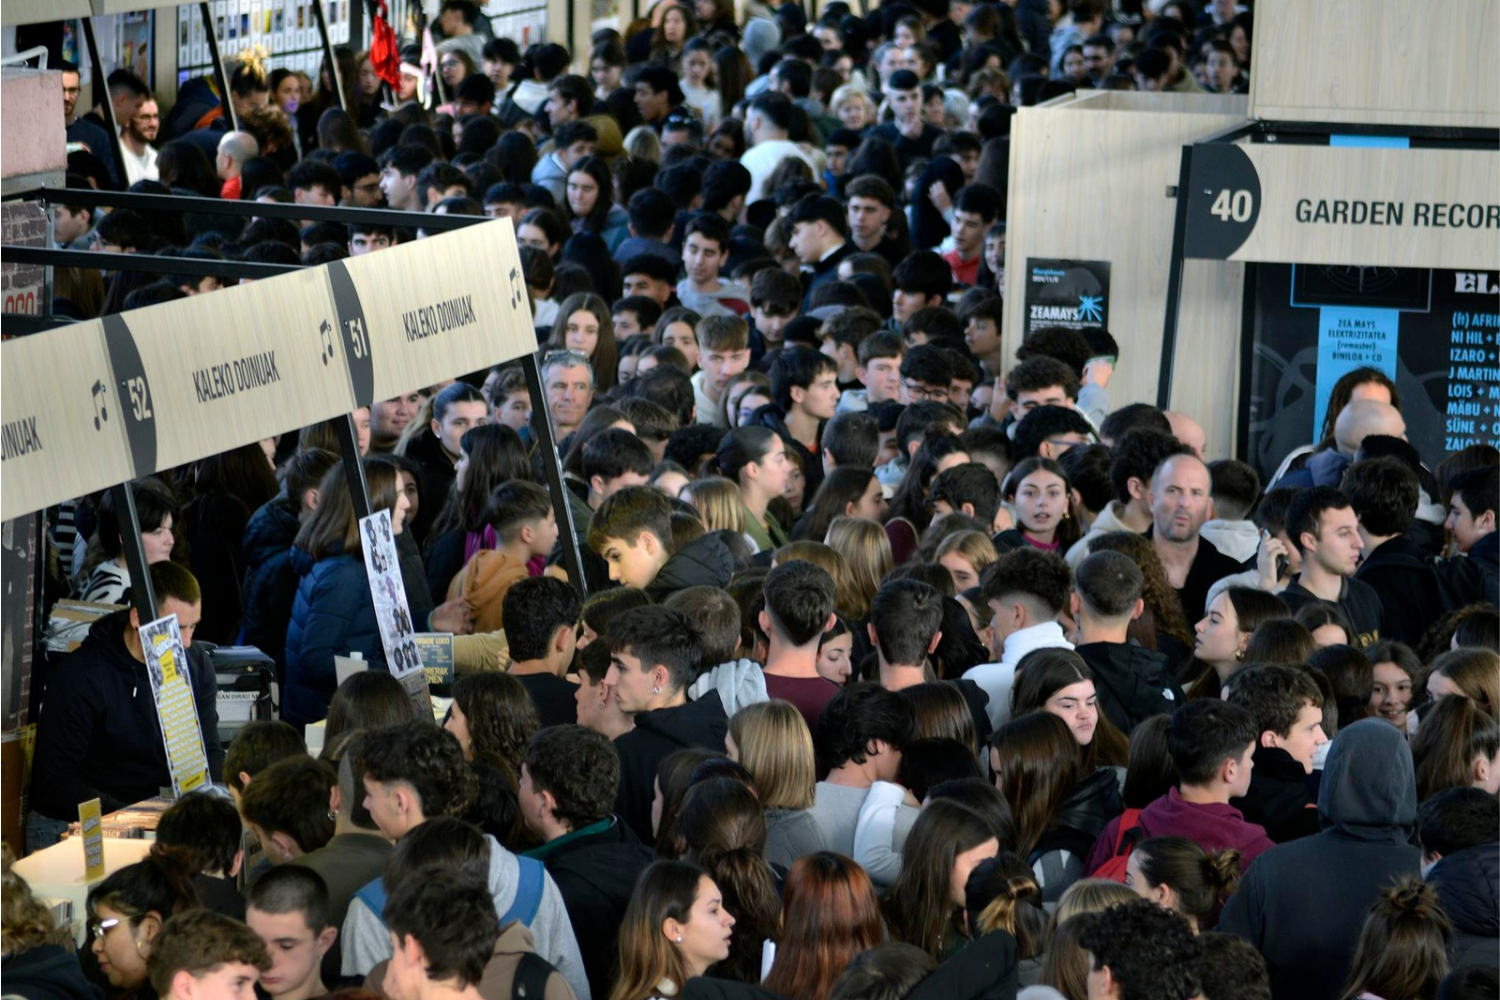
1357, 421
1181, 498
1188, 431
234, 149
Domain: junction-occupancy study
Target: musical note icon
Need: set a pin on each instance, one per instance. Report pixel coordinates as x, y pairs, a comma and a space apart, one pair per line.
325, 330
101, 412
515, 287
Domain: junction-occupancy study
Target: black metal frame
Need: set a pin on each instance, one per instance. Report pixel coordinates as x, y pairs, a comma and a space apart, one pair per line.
1301, 133
348, 440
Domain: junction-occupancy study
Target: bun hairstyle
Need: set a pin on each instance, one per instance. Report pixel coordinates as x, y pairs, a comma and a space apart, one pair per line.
1402, 949
1198, 879
247, 71
1001, 894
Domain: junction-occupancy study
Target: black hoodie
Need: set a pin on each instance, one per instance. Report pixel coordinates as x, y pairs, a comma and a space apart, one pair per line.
1133, 682
700, 723
704, 562
596, 874
270, 581
98, 735
1278, 798
986, 969
1405, 581
1303, 904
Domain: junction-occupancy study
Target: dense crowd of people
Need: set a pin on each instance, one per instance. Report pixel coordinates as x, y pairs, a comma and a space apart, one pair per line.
901, 665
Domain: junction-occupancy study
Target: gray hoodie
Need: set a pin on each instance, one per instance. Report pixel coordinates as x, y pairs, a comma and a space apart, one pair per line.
739, 683
1302, 904
367, 942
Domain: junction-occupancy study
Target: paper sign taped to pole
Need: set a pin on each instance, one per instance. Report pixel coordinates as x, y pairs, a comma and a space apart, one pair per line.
383, 565
172, 688
91, 826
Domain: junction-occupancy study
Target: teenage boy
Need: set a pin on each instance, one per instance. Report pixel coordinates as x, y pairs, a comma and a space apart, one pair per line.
634, 316
1050, 432
716, 615
632, 532
572, 141
569, 780
99, 735
1236, 488
1140, 950
775, 297
972, 490
650, 275
871, 205
820, 239
356, 854
525, 527
509, 398
413, 771
400, 167
725, 345
202, 955
1288, 710
255, 748
974, 211
804, 387
288, 807
207, 830
654, 423
1025, 591
912, 137
1212, 743
443, 929
879, 371
1460, 853
1136, 458
922, 279
850, 439
911, 427
1325, 530
705, 248
861, 734
652, 214
1472, 513
1384, 494
926, 374
905, 626
288, 909
1324, 885
541, 615
654, 656
982, 324
840, 337
799, 609
1132, 682
1180, 503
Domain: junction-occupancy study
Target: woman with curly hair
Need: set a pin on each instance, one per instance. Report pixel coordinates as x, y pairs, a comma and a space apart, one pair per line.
1161, 626
492, 714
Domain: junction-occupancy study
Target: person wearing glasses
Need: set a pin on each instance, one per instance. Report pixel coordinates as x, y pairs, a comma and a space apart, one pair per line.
126, 913
926, 375
136, 138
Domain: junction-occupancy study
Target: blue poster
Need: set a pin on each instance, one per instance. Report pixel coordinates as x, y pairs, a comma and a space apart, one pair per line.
1351, 337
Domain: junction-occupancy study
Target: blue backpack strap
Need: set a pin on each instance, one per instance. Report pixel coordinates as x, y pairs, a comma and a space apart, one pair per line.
372, 894
528, 892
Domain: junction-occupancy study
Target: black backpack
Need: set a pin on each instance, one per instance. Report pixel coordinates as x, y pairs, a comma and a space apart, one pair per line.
531, 978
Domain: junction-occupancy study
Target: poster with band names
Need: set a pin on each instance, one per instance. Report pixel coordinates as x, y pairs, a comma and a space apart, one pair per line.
172, 688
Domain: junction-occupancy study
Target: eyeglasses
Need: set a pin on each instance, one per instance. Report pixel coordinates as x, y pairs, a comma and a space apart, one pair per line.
99, 928
920, 392
571, 357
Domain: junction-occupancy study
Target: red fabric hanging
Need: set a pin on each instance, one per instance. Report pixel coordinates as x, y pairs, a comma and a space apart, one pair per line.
385, 56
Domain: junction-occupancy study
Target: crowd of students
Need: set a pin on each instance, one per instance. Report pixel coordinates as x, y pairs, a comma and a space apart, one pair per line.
909, 666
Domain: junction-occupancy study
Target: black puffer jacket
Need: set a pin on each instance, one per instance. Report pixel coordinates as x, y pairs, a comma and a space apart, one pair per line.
1468, 885
270, 584
700, 723
703, 562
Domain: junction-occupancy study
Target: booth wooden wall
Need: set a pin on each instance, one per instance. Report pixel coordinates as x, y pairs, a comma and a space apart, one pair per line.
1377, 62
1088, 181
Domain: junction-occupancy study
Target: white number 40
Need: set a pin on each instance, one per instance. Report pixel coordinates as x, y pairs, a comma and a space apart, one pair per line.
1234, 205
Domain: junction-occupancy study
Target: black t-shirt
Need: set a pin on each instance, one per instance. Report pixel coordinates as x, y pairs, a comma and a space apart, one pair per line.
1357, 601
553, 697
919, 148
1209, 567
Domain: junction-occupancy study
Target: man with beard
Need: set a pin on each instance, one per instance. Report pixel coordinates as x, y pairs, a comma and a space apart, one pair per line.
135, 142
1180, 498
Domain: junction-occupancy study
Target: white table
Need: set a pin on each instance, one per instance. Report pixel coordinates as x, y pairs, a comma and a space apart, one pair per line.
56, 873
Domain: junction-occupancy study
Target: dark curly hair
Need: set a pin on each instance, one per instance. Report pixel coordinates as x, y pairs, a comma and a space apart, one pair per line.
425, 757
500, 714
1149, 950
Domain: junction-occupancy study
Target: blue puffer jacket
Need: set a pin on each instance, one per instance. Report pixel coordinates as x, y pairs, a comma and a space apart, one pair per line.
332, 616
270, 580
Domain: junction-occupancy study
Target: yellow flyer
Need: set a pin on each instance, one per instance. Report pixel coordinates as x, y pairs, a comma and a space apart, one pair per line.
91, 825
186, 758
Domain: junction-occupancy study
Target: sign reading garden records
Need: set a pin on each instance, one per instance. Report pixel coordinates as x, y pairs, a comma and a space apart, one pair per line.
1370, 207
91, 405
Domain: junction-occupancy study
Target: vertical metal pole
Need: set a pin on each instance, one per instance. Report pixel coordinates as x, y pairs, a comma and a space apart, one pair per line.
134, 550
226, 100
552, 466
321, 17
1174, 285
107, 104
354, 466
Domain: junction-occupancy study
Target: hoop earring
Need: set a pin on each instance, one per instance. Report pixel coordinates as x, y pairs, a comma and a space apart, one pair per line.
656, 690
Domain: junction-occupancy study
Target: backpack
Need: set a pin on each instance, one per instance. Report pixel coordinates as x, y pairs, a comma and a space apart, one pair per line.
1126, 836
530, 982
524, 907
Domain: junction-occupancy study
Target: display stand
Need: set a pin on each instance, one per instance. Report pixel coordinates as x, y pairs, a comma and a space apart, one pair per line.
1090, 181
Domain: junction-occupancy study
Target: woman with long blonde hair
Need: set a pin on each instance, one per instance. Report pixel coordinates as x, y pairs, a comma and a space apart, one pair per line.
966, 555
867, 549
772, 741
717, 501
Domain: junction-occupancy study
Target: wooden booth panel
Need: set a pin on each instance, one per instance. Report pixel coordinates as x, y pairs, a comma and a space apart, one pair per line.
1088, 181
1377, 62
